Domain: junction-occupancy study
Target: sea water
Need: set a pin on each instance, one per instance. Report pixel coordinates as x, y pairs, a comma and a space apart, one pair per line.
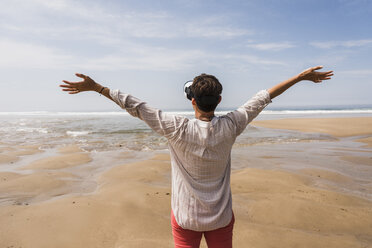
103, 131
109, 135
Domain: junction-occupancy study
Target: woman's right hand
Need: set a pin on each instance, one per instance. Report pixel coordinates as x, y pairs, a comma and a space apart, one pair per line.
316, 76
87, 84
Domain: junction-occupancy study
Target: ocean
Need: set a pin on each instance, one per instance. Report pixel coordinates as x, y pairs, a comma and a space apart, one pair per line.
103, 131
114, 138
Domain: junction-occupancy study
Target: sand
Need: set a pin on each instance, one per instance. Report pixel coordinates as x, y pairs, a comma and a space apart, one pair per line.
11, 154
130, 209
131, 205
367, 141
339, 127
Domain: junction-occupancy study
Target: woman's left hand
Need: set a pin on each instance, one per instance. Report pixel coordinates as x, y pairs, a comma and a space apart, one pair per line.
316, 76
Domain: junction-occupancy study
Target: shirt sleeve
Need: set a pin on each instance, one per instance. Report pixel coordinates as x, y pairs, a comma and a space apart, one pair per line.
246, 113
164, 124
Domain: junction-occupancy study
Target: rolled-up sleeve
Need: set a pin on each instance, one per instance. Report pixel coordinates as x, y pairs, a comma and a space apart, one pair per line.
246, 113
164, 124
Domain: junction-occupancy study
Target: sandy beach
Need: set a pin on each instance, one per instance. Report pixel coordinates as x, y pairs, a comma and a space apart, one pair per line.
44, 204
339, 127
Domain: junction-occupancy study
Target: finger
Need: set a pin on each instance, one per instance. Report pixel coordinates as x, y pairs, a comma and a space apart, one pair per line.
317, 67
81, 75
66, 86
72, 89
67, 82
74, 92
326, 75
328, 72
72, 83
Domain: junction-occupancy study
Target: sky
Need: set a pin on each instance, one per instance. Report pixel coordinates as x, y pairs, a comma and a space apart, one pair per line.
151, 48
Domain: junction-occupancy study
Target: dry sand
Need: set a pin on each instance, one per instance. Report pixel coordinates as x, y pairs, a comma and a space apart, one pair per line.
339, 127
131, 206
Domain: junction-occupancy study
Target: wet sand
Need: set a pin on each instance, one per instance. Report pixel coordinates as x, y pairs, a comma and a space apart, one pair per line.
43, 204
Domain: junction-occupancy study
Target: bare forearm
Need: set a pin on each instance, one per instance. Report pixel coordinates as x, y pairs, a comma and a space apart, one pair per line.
310, 74
103, 90
283, 86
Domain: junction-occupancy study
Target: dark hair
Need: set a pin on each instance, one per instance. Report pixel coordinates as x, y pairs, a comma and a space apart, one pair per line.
207, 90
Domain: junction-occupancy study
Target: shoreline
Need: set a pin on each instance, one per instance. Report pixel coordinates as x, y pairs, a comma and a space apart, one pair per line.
273, 205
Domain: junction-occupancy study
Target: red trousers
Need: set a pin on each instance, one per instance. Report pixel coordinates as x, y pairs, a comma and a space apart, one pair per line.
219, 238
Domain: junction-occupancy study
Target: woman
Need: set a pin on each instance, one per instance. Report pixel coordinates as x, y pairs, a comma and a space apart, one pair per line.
200, 151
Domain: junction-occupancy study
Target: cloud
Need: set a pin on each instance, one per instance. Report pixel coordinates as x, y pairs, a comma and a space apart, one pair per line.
27, 55
64, 34
274, 46
140, 57
131, 57
346, 44
95, 19
238, 59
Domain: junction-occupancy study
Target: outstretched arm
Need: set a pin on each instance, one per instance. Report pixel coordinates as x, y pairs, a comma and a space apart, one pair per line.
87, 84
309, 74
162, 123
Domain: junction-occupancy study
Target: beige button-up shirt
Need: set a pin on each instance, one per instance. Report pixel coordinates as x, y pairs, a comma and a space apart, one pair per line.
200, 157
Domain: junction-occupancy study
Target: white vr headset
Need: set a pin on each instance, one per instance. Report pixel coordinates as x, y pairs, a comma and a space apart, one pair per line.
203, 100
187, 90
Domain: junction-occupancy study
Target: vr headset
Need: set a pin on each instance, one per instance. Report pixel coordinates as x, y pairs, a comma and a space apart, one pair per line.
187, 90
202, 100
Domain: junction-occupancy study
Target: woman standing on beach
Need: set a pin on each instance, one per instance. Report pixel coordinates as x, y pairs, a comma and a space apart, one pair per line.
200, 151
